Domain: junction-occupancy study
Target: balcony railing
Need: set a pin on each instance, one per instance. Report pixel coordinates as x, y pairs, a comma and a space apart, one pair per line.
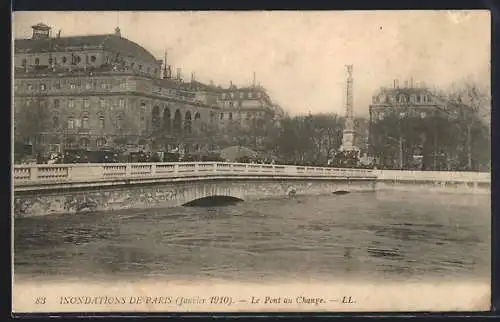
88, 173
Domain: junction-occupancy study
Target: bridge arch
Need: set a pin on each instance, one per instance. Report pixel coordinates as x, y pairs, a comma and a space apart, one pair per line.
213, 201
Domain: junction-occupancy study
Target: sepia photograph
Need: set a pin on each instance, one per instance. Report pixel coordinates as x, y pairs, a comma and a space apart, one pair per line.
251, 161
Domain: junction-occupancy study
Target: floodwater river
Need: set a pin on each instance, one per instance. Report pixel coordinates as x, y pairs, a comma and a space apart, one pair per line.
382, 235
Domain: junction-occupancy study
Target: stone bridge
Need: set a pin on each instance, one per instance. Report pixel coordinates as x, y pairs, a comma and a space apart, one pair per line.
75, 188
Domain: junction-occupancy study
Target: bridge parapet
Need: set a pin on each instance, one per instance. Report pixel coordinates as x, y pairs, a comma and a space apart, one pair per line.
60, 173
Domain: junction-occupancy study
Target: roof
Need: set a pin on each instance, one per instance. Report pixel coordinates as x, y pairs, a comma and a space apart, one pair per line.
41, 26
110, 42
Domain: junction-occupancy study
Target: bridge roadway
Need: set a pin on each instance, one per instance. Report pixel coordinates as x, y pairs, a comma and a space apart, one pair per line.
73, 188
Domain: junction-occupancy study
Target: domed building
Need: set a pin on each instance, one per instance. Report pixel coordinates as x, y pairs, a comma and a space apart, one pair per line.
101, 91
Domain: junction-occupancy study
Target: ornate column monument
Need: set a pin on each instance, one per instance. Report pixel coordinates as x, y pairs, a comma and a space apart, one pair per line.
348, 133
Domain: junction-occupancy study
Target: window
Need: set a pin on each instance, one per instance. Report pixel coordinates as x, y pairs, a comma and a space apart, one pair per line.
55, 121
232, 95
85, 122
231, 104
140, 67
123, 84
101, 122
381, 115
250, 94
92, 59
37, 61
24, 62
241, 95
119, 122
102, 103
248, 116
29, 87
78, 59
142, 111
101, 141
104, 85
72, 85
88, 85
221, 116
418, 98
43, 87
50, 61
121, 103
71, 103
64, 59
423, 115
402, 114
78, 123
86, 103
57, 85
56, 104
71, 123
223, 96
230, 116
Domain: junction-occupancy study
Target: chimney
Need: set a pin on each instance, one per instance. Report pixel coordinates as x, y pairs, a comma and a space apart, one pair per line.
178, 74
211, 83
411, 82
406, 84
117, 32
230, 84
192, 77
396, 83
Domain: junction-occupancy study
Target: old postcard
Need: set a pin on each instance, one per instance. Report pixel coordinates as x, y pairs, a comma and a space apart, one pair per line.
263, 161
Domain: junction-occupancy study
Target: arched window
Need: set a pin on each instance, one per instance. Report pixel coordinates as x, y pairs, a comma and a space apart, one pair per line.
37, 61
64, 59
177, 121
167, 122
92, 59
155, 117
71, 123
142, 111
197, 116
187, 122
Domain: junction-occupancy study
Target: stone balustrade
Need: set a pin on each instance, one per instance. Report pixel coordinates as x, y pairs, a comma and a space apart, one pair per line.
60, 173
436, 176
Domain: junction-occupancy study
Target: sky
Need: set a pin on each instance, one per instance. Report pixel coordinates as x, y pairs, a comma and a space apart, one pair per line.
300, 56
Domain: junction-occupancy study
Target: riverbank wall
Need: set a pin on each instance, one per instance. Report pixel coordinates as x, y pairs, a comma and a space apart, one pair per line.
434, 181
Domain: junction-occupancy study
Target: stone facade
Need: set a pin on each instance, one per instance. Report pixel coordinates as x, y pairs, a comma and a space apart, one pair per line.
100, 90
402, 125
163, 195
